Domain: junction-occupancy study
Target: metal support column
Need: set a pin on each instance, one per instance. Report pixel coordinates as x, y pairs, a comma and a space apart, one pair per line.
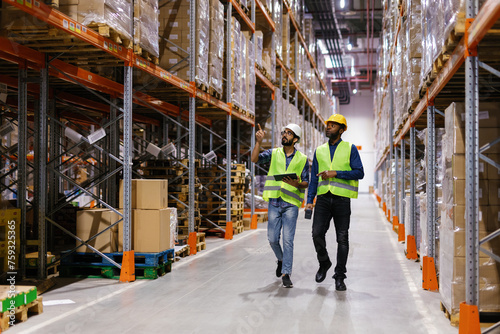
403, 195
179, 137
22, 172
471, 171
413, 220
53, 184
127, 156
192, 117
396, 182
228, 169
431, 179
41, 170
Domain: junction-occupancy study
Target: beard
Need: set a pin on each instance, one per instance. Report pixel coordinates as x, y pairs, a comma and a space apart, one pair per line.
333, 135
286, 142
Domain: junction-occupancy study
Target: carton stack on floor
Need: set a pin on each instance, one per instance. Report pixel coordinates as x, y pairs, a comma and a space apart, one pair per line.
213, 207
152, 235
452, 264
178, 186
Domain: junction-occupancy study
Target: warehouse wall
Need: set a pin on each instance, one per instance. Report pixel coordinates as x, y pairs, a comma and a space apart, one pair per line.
359, 115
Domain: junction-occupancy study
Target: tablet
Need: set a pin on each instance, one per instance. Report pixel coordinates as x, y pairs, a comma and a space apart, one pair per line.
279, 177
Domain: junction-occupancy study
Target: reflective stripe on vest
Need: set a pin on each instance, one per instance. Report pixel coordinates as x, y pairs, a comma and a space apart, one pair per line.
341, 162
276, 189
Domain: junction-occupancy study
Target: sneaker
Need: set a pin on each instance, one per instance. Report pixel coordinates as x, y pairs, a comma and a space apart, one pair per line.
340, 285
278, 268
287, 282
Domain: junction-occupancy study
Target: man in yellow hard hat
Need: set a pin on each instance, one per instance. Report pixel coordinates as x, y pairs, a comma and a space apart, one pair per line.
335, 172
285, 195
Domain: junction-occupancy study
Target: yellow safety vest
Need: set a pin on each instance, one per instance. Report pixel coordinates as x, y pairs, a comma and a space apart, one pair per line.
341, 162
276, 189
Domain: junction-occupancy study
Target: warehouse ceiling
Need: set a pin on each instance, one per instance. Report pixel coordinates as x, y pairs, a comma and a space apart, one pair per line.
349, 31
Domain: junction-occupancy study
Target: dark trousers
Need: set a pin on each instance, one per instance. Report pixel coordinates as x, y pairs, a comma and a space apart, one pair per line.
330, 206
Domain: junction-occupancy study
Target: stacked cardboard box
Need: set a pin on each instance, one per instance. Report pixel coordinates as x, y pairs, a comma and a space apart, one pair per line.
146, 26
153, 223
216, 49
175, 27
89, 222
116, 14
243, 71
250, 74
236, 60
453, 223
285, 45
259, 40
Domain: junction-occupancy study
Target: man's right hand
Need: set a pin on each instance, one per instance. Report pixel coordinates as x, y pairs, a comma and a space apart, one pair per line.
309, 206
259, 135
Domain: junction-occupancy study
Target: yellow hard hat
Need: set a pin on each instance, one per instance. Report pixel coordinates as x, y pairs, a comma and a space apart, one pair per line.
337, 118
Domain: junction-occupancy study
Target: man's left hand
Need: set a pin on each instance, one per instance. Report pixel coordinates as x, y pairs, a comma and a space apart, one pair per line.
290, 181
328, 174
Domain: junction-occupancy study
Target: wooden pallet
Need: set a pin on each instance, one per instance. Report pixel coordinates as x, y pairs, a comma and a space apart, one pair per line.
105, 30
200, 242
215, 93
138, 50
21, 314
184, 252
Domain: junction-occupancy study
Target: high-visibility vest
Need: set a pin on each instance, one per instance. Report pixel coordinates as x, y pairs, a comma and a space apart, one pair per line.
276, 189
341, 162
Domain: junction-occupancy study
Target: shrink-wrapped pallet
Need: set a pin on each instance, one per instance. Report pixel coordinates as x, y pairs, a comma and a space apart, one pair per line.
146, 26
235, 62
216, 47
243, 71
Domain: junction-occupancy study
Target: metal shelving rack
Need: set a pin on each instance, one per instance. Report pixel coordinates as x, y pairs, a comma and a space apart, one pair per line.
117, 108
478, 23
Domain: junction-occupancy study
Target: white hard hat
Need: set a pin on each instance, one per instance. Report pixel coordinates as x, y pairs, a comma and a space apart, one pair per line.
296, 130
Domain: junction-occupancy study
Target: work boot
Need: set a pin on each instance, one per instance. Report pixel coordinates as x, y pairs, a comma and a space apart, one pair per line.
323, 269
339, 284
287, 282
278, 268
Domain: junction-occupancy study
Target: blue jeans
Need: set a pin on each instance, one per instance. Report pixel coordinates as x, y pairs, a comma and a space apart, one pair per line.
282, 219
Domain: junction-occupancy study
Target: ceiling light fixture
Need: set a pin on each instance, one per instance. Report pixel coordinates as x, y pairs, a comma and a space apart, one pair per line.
342, 4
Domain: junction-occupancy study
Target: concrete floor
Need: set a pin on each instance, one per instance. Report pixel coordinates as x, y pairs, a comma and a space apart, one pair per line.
231, 288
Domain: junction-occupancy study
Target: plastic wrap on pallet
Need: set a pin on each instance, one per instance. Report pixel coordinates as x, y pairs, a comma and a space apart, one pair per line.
236, 62
243, 71
277, 17
202, 41
259, 40
216, 49
173, 227
146, 25
251, 77
285, 49
114, 13
430, 26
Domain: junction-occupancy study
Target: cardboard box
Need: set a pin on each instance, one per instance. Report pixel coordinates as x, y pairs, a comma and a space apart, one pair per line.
92, 221
152, 231
489, 270
493, 222
493, 172
458, 246
455, 217
459, 192
458, 167
489, 297
147, 194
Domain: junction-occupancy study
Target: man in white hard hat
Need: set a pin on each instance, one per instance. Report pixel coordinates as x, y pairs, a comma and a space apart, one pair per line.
285, 195
335, 172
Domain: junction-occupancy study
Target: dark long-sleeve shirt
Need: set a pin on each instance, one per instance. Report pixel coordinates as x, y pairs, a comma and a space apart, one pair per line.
265, 157
357, 172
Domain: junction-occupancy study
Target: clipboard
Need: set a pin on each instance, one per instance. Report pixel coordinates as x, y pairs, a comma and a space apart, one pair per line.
279, 177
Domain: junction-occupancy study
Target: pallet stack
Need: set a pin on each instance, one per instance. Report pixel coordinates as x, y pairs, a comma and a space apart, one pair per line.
213, 207
21, 302
176, 173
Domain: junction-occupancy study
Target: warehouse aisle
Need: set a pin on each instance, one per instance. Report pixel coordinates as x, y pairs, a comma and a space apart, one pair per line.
231, 288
